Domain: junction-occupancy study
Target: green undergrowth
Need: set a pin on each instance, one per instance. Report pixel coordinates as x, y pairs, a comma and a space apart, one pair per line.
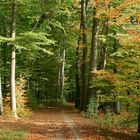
12, 135
110, 120
115, 126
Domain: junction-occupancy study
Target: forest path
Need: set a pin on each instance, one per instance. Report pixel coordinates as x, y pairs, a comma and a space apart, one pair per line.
60, 123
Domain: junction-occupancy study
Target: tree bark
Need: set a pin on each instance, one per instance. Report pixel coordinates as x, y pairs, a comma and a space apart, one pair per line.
118, 106
85, 51
1, 100
94, 43
62, 74
94, 51
78, 86
104, 47
13, 61
118, 103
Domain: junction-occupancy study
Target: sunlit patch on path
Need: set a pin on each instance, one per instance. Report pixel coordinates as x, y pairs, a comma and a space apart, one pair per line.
71, 125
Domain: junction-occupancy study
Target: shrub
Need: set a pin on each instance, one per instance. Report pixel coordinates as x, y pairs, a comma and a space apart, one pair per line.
32, 101
92, 108
21, 99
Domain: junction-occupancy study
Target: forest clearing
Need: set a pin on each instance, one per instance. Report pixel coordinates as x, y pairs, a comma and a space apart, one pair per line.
70, 69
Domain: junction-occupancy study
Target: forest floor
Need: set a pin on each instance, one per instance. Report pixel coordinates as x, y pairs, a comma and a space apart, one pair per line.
60, 123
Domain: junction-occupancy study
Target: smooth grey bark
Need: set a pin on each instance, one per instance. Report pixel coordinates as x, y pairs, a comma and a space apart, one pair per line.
63, 70
94, 52
104, 47
104, 57
85, 51
94, 43
118, 106
104, 44
62, 74
1, 99
13, 61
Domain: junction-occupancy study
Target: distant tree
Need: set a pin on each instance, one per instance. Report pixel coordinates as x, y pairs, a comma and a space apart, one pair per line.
1, 99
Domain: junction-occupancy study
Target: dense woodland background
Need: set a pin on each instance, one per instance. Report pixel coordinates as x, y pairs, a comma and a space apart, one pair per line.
87, 52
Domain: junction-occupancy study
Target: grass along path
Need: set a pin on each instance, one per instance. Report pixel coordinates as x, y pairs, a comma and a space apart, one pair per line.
12, 135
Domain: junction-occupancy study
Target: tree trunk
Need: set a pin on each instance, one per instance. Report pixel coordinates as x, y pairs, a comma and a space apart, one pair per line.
62, 74
104, 57
94, 50
1, 100
94, 43
139, 120
78, 87
118, 106
59, 76
118, 103
85, 51
104, 47
13, 61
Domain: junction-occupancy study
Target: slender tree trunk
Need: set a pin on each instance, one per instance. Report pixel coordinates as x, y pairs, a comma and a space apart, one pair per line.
28, 84
104, 57
94, 50
118, 103
59, 76
63, 71
62, 74
58, 83
139, 120
104, 47
1, 100
85, 51
13, 61
78, 87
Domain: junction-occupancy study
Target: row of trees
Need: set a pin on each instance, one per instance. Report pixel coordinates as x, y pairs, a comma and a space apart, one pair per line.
110, 67
39, 44
113, 24
84, 51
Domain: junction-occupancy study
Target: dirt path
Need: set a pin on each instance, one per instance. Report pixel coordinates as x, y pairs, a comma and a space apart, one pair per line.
59, 123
